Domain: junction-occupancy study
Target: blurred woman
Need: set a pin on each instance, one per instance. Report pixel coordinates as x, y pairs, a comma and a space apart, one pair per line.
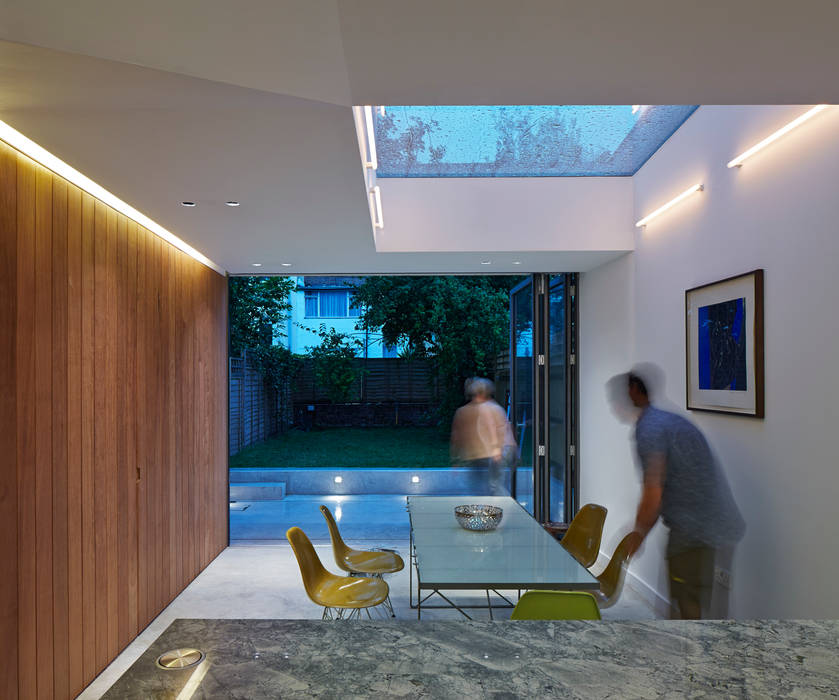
481, 434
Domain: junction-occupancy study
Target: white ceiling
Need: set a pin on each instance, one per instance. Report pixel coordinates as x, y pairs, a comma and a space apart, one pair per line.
209, 100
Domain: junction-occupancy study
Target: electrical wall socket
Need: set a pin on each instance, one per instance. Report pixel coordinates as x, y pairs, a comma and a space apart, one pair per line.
722, 577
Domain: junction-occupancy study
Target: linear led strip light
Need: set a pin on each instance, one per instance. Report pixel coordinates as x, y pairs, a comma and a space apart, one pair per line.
738, 161
376, 206
28, 147
672, 203
372, 162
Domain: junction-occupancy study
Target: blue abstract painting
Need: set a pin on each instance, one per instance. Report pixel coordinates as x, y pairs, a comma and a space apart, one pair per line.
722, 345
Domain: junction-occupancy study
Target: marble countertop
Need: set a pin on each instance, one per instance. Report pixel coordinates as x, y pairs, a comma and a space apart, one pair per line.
528, 659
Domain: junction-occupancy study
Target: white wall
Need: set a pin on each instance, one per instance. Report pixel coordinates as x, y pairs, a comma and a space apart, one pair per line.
778, 212
501, 214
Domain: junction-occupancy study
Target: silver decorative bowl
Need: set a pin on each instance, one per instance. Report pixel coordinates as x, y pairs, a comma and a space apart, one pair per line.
478, 517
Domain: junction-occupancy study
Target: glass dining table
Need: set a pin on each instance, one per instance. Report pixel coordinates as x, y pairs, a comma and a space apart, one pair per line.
518, 555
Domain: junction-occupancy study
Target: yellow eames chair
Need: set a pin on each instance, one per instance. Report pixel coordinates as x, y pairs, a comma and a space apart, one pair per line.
337, 594
583, 537
360, 562
611, 580
556, 605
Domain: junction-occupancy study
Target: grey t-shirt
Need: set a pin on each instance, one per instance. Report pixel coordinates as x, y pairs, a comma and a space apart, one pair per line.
697, 504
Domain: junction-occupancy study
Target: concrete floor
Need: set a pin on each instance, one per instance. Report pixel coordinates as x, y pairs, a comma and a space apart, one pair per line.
259, 578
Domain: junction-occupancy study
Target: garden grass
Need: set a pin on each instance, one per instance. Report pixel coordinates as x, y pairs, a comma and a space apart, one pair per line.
413, 448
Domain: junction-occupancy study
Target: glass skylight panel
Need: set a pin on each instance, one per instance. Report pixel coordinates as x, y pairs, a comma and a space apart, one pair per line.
522, 141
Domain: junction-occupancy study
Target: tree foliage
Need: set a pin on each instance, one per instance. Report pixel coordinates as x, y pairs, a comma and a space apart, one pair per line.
256, 304
461, 323
333, 363
277, 364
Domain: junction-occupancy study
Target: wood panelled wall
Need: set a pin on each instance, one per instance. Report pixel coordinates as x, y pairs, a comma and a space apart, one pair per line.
113, 424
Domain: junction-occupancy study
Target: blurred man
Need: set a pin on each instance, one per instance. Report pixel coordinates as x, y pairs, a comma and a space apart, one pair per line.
683, 484
481, 435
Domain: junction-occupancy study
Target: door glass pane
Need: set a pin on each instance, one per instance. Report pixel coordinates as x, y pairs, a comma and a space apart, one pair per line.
523, 392
557, 425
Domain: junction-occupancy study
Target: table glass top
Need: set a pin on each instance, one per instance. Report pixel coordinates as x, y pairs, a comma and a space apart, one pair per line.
517, 554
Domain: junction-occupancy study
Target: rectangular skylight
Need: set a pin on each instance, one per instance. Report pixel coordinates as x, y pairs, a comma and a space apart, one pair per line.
523, 140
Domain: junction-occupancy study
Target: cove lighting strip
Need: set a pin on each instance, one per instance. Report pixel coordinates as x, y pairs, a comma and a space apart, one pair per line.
672, 203
738, 161
28, 147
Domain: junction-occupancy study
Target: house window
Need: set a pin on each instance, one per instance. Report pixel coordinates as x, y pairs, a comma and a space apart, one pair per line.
330, 303
311, 304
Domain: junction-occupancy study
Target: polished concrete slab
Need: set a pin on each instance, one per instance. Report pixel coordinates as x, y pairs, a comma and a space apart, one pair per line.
263, 582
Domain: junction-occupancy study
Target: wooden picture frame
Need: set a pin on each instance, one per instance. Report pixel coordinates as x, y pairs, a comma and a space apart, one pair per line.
724, 346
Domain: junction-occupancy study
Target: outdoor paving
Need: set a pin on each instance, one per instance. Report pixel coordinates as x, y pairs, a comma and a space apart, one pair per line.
365, 517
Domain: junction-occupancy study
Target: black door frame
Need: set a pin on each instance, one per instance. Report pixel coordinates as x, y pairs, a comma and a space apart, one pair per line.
541, 285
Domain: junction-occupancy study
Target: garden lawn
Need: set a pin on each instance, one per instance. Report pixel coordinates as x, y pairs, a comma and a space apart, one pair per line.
412, 448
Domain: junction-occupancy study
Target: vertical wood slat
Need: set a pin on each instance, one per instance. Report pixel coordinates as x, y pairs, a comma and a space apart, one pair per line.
142, 382
181, 480
75, 616
44, 426
60, 581
26, 431
110, 437
90, 579
122, 438
130, 422
8, 417
115, 362
100, 428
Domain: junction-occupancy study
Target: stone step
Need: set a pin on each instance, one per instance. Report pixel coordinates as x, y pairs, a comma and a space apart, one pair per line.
258, 491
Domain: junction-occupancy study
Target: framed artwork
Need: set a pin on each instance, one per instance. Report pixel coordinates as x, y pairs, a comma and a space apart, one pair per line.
724, 357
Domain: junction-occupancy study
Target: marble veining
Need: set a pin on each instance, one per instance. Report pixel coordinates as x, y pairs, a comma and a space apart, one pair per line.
527, 659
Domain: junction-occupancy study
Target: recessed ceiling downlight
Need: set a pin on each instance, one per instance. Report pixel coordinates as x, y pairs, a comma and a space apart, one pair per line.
188, 204
486, 262
286, 264
256, 264
232, 203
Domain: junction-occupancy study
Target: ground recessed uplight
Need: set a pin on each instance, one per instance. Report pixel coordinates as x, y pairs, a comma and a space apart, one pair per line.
256, 264
232, 203
338, 479
414, 479
286, 264
188, 204
486, 262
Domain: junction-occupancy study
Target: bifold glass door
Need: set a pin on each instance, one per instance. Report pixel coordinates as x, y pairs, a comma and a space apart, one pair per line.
544, 394
521, 390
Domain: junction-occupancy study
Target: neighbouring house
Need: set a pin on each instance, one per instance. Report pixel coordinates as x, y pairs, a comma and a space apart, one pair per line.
319, 300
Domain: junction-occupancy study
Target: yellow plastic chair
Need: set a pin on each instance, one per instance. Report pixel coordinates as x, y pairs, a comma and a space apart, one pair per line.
337, 594
360, 562
583, 537
611, 580
556, 605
